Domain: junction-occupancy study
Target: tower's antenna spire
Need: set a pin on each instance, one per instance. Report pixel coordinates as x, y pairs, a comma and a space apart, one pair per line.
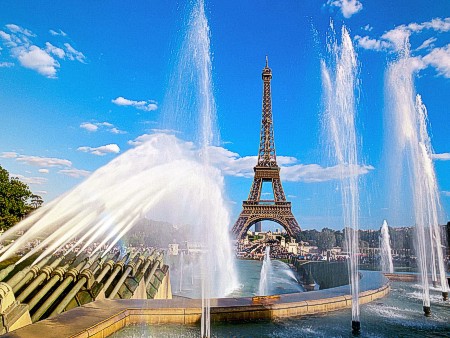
267, 61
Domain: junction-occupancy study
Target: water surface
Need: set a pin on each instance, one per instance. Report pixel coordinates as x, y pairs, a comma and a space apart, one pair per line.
397, 315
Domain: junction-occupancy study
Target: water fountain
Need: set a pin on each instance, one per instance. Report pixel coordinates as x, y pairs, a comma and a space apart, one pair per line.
166, 170
110, 201
181, 266
266, 271
410, 149
385, 249
339, 79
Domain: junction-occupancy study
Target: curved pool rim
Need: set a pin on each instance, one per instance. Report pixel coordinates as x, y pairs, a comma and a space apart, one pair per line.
102, 318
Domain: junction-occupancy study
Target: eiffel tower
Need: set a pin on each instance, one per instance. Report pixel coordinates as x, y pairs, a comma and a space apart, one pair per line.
254, 209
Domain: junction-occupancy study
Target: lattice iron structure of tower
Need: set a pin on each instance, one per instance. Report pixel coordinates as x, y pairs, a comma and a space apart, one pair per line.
254, 209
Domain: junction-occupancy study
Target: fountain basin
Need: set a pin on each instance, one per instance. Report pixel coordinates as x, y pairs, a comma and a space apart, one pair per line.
104, 317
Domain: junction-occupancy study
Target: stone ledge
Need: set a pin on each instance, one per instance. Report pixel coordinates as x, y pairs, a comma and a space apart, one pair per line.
104, 317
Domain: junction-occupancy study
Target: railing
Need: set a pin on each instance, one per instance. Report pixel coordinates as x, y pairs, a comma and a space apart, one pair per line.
267, 202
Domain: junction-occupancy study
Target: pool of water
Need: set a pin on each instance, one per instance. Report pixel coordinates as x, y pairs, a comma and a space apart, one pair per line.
397, 315
186, 283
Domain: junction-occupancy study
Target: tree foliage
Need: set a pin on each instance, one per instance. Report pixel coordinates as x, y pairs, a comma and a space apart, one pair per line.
401, 238
326, 239
16, 200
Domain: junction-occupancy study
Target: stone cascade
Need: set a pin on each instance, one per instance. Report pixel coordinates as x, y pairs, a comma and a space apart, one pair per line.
58, 284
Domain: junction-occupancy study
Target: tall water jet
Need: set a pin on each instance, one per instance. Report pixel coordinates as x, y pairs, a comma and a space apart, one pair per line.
181, 269
339, 78
432, 200
192, 104
410, 150
266, 270
385, 249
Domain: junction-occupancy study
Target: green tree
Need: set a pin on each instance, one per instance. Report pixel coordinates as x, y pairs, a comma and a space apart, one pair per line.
363, 244
16, 200
339, 235
309, 236
326, 239
36, 201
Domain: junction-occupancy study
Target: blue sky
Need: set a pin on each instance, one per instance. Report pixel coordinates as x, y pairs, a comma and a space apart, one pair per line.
79, 82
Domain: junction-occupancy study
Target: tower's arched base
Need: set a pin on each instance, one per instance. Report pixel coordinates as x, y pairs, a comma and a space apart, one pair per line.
254, 212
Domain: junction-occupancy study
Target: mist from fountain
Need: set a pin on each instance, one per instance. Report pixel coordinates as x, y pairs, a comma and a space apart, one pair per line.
266, 271
340, 81
410, 150
385, 249
154, 180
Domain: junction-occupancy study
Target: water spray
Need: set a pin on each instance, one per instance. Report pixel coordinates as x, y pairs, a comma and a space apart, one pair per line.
340, 81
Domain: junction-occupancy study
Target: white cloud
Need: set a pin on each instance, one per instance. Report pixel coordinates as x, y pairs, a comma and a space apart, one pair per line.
146, 137
114, 130
439, 58
56, 33
166, 131
89, 126
55, 50
445, 193
426, 44
41, 192
105, 124
441, 157
37, 59
20, 45
17, 29
310, 173
101, 151
44, 161
5, 36
75, 173
415, 63
232, 164
347, 7
30, 180
139, 140
9, 154
141, 105
437, 24
372, 44
6, 64
397, 37
94, 126
367, 28
73, 54
44, 171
